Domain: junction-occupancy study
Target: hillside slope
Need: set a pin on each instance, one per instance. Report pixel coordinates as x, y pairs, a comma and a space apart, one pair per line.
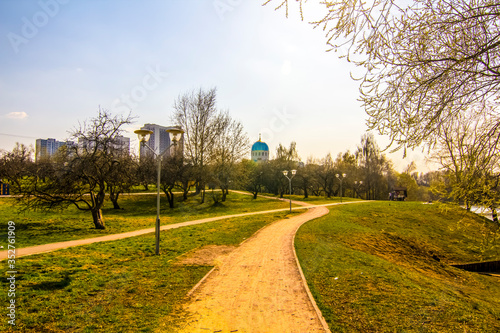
385, 267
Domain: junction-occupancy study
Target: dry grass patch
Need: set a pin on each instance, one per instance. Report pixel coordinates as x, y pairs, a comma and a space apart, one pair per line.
208, 255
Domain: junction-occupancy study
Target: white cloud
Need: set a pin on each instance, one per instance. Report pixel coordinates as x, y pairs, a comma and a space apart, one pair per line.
17, 115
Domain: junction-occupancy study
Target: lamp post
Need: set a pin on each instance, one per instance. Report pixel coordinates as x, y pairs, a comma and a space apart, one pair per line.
285, 173
143, 135
357, 187
341, 178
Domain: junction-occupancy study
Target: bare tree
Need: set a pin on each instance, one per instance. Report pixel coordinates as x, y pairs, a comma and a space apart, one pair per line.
172, 168
197, 114
122, 177
286, 159
228, 149
146, 171
251, 176
374, 167
15, 165
305, 178
81, 176
326, 175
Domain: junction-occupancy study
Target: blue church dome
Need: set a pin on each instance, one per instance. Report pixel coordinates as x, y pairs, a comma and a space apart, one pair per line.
259, 145
260, 151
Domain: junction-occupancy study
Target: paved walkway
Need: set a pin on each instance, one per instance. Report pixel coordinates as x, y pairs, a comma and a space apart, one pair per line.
26, 251
21, 252
259, 287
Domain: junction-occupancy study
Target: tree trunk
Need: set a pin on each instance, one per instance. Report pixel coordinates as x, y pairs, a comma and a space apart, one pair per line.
198, 187
97, 217
202, 196
306, 195
224, 194
255, 195
114, 199
170, 197
215, 197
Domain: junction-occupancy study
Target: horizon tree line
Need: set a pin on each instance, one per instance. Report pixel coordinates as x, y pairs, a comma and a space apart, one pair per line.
214, 157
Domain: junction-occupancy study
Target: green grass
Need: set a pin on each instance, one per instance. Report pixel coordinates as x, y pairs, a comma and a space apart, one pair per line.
323, 200
118, 286
314, 199
384, 267
139, 212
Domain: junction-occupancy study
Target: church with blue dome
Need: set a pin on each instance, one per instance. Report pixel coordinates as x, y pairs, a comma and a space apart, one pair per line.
260, 151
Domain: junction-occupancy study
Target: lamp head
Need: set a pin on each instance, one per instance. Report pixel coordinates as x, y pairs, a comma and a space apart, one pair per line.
143, 135
294, 172
285, 173
175, 134
344, 175
337, 175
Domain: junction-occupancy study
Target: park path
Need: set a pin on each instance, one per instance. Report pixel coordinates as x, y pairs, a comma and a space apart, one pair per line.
259, 287
26, 251
21, 252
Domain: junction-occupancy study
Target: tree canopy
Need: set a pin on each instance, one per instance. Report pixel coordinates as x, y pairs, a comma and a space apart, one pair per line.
80, 175
425, 61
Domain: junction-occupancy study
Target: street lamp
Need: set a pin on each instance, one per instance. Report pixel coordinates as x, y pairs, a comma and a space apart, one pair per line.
175, 134
357, 187
341, 178
285, 173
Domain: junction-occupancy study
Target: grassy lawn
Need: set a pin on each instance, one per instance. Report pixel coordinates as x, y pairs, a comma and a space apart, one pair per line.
118, 286
323, 200
139, 212
314, 199
384, 267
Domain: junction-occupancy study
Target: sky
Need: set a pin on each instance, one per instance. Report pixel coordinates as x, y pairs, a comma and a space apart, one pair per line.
62, 60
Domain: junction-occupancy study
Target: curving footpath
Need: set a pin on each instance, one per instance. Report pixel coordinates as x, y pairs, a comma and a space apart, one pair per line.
259, 287
26, 251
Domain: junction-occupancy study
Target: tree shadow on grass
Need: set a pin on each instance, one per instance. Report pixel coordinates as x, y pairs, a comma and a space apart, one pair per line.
54, 284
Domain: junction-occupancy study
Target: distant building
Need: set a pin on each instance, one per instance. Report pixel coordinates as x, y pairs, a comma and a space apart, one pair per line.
159, 141
4, 188
48, 147
260, 151
120, 143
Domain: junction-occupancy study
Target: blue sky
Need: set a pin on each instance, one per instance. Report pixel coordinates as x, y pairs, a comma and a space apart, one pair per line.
62, 59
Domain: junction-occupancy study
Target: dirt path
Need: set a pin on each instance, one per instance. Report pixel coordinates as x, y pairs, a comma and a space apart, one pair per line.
26, 251
258, 287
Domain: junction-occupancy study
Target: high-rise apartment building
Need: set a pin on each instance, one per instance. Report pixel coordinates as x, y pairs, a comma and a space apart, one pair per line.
47, 147
159, 141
